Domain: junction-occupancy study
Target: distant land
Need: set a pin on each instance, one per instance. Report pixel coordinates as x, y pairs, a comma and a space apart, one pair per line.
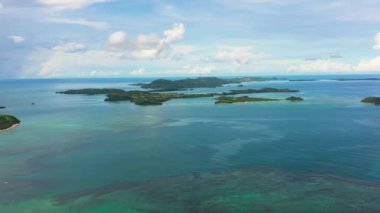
158, 98
340, 79
159, 91
200, 82
157, 95
245, 99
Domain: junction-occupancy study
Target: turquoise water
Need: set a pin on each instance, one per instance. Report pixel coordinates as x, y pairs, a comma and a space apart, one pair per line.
69, 144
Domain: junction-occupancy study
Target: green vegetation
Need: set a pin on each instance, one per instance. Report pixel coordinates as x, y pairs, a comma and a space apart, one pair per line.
154, 97
372, 100
7, 121
231, 100
264, 90
91, 91
201, 82
293, 98
151, 98
243, 99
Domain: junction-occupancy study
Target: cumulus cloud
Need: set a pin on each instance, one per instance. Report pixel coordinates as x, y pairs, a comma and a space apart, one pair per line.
324, 66
372, 65
145, 46
377, 42
98, 25
17, 39
117, 39
148, 40
175, 34
120, 49
69, 4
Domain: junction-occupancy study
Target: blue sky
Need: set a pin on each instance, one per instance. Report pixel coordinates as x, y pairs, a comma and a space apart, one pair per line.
112, 38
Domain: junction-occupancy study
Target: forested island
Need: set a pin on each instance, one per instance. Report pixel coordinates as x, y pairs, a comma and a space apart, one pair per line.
244, 99
372, 100
200, 82
263, 90
158, 98
159, 92
8, 121
293, 98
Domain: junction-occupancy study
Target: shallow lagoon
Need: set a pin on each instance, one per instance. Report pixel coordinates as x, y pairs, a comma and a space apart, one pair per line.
79, 153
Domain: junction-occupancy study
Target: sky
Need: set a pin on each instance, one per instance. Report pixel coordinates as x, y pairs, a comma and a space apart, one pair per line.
137, 38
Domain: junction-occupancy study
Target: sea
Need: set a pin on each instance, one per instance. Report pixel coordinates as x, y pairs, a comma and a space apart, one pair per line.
78, 153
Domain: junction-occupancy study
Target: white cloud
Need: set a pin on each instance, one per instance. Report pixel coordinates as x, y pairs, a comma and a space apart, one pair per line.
175, 34
121, 50
117, 39
148, 40
69, 4
372, 65
98, 25
145, 46
377, 42
69, 47
17, 39
199, 70
322, 66
1, 6
140, 71
65, 63
238, 55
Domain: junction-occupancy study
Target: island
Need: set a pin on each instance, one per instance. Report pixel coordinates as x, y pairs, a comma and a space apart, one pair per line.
263, 90
154, 97
151, 98
200, 82
293, 98
159, 91
2, 107
8, 122
245, 99
242, 99
91, 91
372, 100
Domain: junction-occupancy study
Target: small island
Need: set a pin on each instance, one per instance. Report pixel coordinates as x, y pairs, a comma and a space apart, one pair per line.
372, 100
151, 98
245, 99
293, 98
263, 90
2, 107
8, 122
91, 91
